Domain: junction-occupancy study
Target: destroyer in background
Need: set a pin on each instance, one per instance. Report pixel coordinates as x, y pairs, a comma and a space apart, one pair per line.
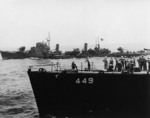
42, 50
91, 93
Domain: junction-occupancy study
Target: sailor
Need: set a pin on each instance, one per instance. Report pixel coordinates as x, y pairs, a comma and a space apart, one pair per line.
74, 66
132, 64
143, 63
122, 62
134, 61
111, 64
140, 63
148, 61
127, 67
116, 65
126, 62
119, 66
88, 62
105, 63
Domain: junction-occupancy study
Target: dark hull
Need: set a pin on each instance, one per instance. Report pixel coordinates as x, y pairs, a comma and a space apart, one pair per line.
108, 95
17, 55
13, 55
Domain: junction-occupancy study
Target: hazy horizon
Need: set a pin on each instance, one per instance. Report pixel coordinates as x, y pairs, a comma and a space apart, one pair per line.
71, 23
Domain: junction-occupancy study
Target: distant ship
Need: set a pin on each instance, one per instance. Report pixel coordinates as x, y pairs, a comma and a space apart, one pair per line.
91, 94
43, 51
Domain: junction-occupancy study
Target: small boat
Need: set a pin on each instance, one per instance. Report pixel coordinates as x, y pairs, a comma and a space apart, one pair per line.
94, 93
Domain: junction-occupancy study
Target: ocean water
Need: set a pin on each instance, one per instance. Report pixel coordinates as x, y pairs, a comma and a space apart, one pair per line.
16, 95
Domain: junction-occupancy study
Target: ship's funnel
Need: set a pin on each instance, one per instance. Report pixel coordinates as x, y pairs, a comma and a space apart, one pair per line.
57, 48
85, 47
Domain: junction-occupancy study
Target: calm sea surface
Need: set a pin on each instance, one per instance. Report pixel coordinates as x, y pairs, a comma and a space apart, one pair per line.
16, 95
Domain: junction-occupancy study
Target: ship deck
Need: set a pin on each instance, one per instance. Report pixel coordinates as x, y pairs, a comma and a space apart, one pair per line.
92, 72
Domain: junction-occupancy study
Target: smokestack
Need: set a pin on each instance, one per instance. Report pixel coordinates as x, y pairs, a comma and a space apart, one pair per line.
85, 47
57, 48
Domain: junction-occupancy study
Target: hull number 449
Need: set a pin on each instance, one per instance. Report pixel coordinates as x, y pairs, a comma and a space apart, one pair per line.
84, 81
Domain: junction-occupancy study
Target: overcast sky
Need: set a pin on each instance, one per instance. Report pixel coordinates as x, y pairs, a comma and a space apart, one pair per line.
72, 23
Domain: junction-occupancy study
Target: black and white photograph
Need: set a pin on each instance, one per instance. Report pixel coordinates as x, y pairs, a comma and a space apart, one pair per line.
74, 58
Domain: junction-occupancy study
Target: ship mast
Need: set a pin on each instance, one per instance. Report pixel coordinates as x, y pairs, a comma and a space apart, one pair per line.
99, 39
48, 40
98, 44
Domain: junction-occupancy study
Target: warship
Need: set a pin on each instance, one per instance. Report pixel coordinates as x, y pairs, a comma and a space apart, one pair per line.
90, 93
42, 51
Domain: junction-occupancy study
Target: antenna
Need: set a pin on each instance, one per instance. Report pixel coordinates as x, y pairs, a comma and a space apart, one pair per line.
98, 44
48, 40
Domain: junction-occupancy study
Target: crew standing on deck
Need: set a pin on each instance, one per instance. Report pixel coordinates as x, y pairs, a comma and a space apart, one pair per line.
74, 66
116, 64
134, 61
132, 64
119, 66
122, 60
88, 62
140, 63
127, 66
105, 63
125, 61
148, 61
111, 64
143, 63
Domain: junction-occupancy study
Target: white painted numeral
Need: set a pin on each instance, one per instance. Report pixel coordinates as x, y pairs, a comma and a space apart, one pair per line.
78, 81
84, 81
90, 81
